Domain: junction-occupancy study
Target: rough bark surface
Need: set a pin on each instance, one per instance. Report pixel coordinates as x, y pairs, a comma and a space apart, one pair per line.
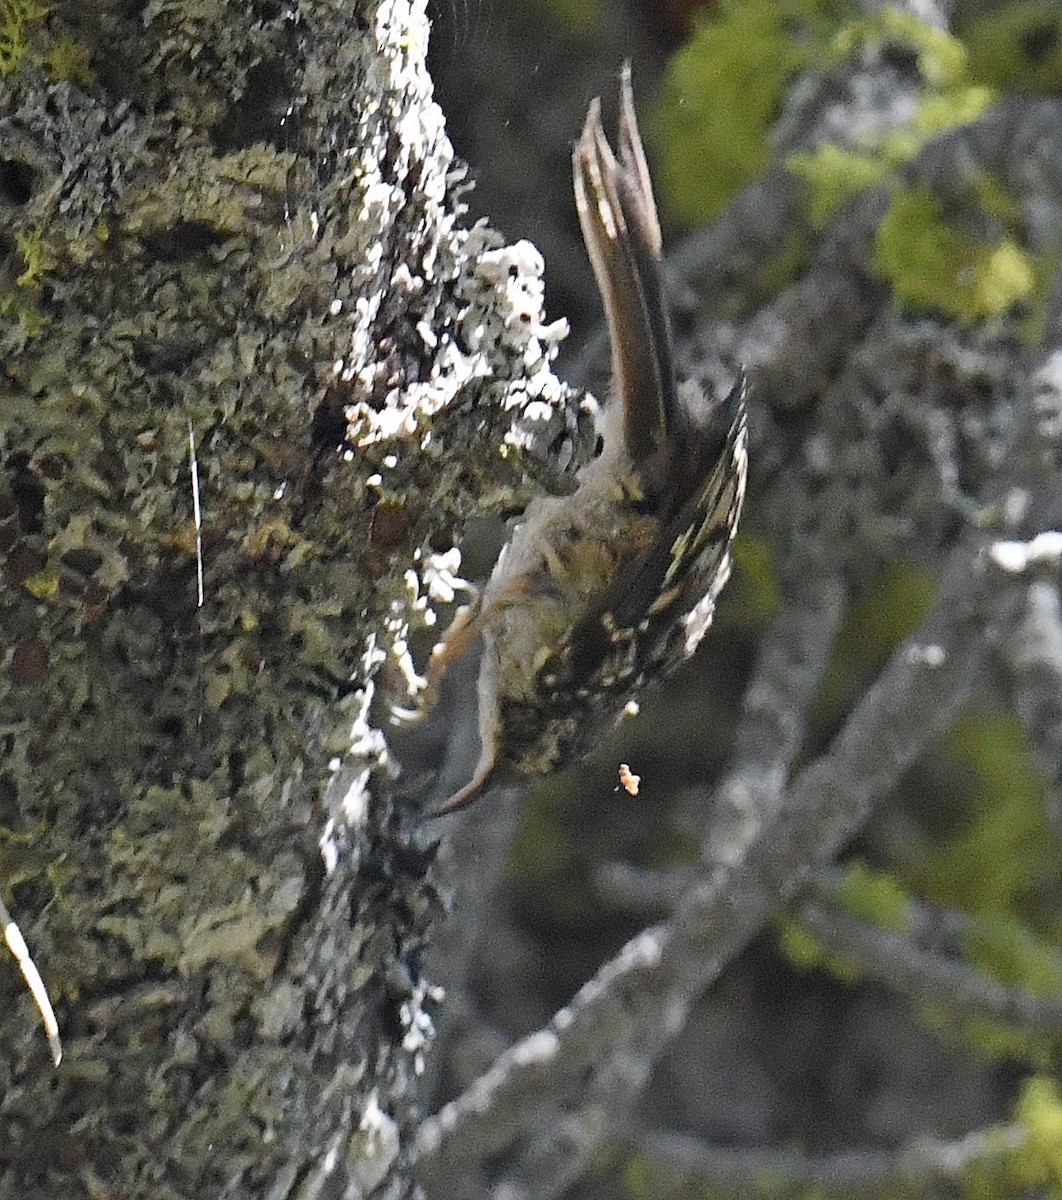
232, 262
231, 244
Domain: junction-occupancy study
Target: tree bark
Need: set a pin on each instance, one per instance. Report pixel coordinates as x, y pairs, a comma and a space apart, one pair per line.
256, 376
241, 325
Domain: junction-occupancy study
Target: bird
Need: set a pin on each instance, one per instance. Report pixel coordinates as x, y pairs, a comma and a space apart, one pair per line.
609, 588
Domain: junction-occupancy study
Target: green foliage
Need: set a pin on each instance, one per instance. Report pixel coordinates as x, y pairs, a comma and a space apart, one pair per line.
1018, 46
800, 945
1039, 1112
806, 952
876, 897
994, 1173
720, 95
996, 859
873, 628
1002, 857
941, 57
948, 98
1005, 948
931, 262
16, 20
835, 174
869, 895
580, 16
995, 200
725, 85
999, 1040
755, 591
935, 114
723, 89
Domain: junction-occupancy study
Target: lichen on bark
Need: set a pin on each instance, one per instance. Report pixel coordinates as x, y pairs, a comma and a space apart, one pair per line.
248, 242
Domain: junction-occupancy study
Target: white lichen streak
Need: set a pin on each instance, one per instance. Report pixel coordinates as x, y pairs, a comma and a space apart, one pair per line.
16, 943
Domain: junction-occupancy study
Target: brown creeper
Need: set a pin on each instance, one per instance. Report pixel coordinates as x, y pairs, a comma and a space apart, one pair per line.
603, 590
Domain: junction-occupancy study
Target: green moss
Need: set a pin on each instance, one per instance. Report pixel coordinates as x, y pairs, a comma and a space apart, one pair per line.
995, 200
932, 263
836, 173
724, 86
220, 193
42, 585
947, 98
1018, 46
20, 303
637, 1176
935, 114
36, 257
955, 106
991, 1175
876, 897
18, 307
16, 21
63, 58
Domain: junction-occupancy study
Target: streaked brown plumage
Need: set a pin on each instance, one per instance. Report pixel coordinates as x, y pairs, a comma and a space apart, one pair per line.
599, 592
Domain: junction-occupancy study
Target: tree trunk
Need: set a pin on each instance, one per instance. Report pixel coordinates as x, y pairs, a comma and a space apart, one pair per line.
256, 378
231, 247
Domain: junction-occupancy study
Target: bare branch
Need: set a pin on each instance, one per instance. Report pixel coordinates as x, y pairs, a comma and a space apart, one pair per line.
1033, 652
775, 708
916, 1169
616, 1025
926, 976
